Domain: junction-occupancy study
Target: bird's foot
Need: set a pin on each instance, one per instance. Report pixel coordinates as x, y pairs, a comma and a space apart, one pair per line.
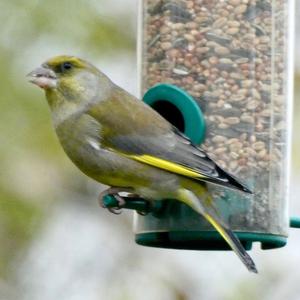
113, 191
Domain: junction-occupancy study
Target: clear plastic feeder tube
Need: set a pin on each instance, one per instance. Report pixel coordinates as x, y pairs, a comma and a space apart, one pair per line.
234, 57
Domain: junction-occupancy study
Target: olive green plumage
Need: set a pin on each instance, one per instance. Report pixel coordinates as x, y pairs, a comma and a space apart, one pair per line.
118, 140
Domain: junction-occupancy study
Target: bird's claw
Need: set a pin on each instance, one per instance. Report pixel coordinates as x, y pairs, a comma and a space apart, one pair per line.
113, 192
118, 209
116, 206
115, 210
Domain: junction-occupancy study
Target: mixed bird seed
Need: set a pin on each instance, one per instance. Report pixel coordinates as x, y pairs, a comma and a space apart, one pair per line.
231, 56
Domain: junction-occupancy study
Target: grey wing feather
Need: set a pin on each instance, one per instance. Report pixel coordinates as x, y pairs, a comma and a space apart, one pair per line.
176, 147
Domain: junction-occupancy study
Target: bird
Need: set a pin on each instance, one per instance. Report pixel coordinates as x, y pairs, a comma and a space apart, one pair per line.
116, 139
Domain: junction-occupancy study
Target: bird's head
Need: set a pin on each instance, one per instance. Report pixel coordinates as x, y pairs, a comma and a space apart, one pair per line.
68, 80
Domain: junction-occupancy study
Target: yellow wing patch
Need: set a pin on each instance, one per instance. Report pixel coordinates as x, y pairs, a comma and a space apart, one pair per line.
167, 165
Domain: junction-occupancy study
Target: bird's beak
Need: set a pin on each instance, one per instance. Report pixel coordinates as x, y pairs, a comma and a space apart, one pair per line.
43, 77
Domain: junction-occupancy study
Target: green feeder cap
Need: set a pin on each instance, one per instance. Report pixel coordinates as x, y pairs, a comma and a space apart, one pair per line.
179, 108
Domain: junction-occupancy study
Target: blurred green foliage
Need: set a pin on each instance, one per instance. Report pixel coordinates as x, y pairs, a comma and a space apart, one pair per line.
18, 222
34, 170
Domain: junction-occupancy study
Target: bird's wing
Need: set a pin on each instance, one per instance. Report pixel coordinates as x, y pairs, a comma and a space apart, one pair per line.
175, 153
136, 131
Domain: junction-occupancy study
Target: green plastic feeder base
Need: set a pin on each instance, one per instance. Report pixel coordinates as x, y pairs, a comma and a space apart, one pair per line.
206, 240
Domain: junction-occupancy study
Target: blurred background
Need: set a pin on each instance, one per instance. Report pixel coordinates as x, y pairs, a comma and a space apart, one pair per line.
56, 243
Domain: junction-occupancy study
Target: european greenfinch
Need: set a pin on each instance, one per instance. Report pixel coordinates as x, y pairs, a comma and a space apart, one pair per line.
118, 140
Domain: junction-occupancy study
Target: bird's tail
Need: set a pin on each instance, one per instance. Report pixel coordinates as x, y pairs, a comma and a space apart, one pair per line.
233, 242
202, 203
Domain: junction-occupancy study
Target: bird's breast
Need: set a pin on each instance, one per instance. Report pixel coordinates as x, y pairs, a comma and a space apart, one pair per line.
79, 137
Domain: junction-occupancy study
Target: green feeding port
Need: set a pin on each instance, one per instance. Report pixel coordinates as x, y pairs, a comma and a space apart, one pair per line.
179, 108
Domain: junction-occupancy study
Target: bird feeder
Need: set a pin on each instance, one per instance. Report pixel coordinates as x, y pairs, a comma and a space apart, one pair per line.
221, 72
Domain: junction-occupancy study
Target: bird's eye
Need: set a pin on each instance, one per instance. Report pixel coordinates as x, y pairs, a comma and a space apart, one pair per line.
66, 66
